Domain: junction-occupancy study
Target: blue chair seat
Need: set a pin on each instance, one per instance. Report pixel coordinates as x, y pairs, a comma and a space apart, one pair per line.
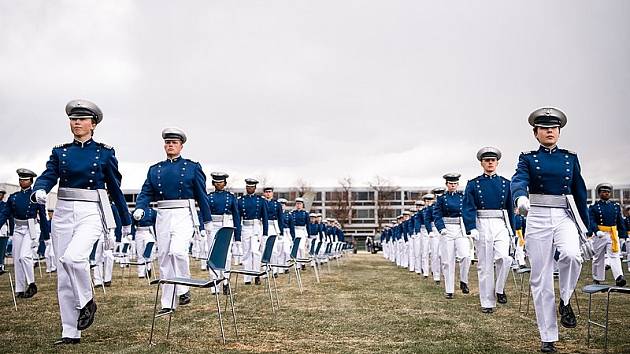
523, 270
252, 273
595, 288
195, 283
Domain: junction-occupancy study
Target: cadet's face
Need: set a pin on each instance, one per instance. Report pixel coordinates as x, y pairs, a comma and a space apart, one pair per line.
452, 186
489, 165
82, 127
250, 189
268, 194
604, 195
173, 147
299, 205
25, 183
1, 196
547, 136
219, 185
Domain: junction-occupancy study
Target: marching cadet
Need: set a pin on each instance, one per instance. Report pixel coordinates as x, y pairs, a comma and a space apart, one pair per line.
224, 211
424, 231
487, 213
400, 242
519, 229
625, 237
393, 241
143, 231
253, 212
433, 244
606, 224
407, 228
447, 213
301, 220
286, 240
84, 169
26, 216
555, 208
4, 231
418, 242
274, 219
49, 252
175, 184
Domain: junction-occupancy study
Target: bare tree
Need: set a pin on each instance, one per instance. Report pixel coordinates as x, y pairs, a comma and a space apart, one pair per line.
342, 201
384, 191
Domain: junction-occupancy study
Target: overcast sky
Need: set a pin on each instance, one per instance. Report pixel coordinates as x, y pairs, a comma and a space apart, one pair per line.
318, 90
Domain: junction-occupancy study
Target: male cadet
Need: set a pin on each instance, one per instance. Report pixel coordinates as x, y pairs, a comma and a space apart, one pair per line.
556, 205
407, 227
625, 237
4, 231
143, 231
606, 225
49, 252
301, 220
254, 216
447, 213
175, 184
286, 238
398, 236
26, 215
274, 220
417, 230
488, 215
426, 244
520, 223
434, 239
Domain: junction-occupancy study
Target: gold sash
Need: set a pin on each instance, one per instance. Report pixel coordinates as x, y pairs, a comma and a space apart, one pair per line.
614, 236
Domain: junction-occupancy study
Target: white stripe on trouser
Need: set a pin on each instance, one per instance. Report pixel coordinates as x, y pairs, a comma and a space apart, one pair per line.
519, 253
250, 236
212, 233
426, 247
548, 230
23, 255
104, 264
174, 228
300, 232
434, 249
628, 252
142, 238
76, 226
454, 245
493, 248
49, 254
603, 248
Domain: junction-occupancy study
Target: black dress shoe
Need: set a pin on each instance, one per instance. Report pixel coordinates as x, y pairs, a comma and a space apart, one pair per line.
226, 289
567, 317
425, 276
184, 299
19, 295
464, 287
620, 281
30, 291
165, 311
149, 273
437, 282
547, 347
257, 280
66, 340
107, 284
596, 282
448, 295
487, 310
607, 267
502, 298
248, 283
275, 275
86, 316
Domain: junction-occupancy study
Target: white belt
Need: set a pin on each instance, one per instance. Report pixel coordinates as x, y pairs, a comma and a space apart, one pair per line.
90, 195
143, 228
30, 223
548, 201
486, 214
173, 204
19, 222
300, 227
250, 222
450, 220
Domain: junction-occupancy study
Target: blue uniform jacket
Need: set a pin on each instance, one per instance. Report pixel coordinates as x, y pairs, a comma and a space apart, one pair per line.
88, 165
418, 221
606, 213
427, 216
287, 223
253, 207
274, 211
224, 202
148, 220
447, 205
174, 179
118, 229
300, 218
486, 192
550, 171
19, 206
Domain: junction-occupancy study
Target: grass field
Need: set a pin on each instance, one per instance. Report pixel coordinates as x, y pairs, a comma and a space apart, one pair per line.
365, 306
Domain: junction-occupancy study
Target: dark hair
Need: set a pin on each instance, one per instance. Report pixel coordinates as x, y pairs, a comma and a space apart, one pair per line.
536, 130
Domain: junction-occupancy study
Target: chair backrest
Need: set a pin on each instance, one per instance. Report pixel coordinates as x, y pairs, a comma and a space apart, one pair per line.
93, 253
217, 258
125, 248
313, 245
295, 248
148, 249
266, 256
328, 248
319, 247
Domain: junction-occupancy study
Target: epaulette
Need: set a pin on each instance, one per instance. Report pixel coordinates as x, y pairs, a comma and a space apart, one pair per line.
62, 145
528, 152
105, 146
567, 151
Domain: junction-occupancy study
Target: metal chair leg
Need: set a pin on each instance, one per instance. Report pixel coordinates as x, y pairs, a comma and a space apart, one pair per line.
316, 271
12, 290
157, 293
297, 277
588, 331
273, 310
216, 296
170, 315
233, 311
275, 287
606, 323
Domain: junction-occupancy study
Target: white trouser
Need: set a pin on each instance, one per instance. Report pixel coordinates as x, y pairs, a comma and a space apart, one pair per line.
104, 266
404, 253
434, 249
519, 253
425, 248
418, 253
300, 232
144, 236
493, 249
274, 229
23, 256
83, 220
603, 247
285, 243
49, 254
211, 235
174, 229
628, 252
250, 236
454, 245
385, 245
548, 230
411, 253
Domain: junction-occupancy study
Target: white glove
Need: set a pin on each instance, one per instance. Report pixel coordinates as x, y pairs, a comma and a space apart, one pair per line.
601, 233
207, 226
203, 233
40, 196
129, 238
109, 242
138, 214
443, 232
126, 231
474, 234
522, 203
197, 235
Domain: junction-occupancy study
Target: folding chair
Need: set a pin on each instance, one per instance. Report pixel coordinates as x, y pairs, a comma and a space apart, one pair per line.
311, 259
147, 259
7, 271
522, 272
601, 288
292, 263
216, 263
93, 264
122, 255
266, 257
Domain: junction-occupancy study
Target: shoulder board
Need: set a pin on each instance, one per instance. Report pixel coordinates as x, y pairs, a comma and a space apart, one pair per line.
567, 151
105, 146
62, 145
528, 152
